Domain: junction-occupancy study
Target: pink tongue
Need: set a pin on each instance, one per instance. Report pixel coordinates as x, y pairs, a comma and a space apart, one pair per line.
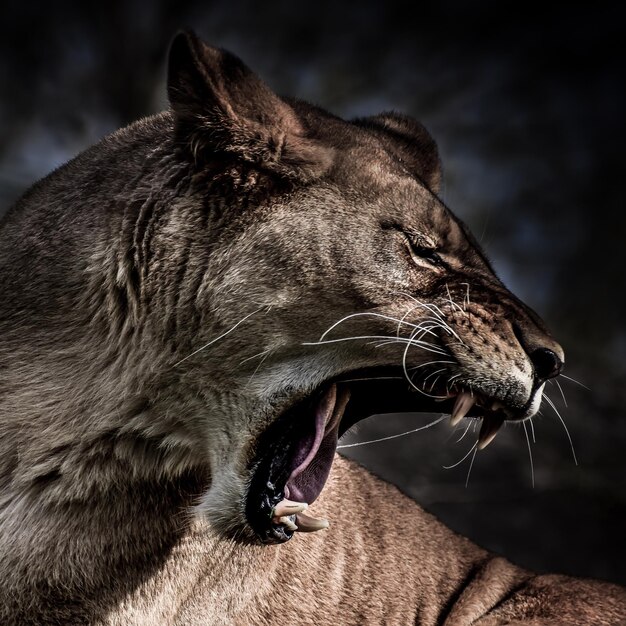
307, 480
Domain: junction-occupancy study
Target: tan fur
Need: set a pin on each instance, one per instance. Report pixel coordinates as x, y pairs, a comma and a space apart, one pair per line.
383, 561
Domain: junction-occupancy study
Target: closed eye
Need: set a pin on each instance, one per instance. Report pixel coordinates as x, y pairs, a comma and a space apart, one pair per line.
417, 245
428, 254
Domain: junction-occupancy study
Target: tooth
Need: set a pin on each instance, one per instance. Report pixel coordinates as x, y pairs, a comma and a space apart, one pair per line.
308, 524
463, 404
489, 429
288, 507
287, 522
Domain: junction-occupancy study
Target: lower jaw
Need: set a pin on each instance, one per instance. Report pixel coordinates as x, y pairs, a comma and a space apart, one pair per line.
286, 476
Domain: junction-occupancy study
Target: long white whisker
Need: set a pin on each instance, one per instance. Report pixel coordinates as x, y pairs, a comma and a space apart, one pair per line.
530, 456
561, 390
401, 320
258, 367
467, 295
469, 471
575, 381
532, 429
443, 369
406, 373
421, 344
452, 302
432, 386
364, 314
254, 356
408, 432
356, 380
438, 314
429, 307
463, 459
549, 401
416, 367
464, 432
451, 380
210, 343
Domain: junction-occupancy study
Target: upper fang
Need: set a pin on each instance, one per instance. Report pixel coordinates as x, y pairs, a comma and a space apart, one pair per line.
463, 404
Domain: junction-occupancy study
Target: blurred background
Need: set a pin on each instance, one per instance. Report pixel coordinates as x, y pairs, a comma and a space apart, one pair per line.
527, 106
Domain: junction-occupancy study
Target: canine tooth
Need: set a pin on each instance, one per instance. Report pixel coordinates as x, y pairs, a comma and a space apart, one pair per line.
288, 507
308, 524
488, 430
287, 522
463, 404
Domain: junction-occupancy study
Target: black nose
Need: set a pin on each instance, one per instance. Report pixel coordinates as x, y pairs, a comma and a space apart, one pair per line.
547, 363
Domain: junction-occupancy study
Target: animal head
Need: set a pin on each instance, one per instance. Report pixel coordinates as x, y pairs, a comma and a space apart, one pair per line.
270, 275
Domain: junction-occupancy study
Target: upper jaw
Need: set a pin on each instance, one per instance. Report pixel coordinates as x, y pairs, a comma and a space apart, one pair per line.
294, 454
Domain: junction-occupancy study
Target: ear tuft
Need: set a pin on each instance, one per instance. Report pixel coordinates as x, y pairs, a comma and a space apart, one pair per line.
221, 106
410, 142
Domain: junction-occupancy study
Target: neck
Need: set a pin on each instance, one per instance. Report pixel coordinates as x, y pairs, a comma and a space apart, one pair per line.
73, 560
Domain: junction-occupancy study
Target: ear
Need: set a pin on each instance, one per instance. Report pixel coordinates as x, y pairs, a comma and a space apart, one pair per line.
410, 142
221, 106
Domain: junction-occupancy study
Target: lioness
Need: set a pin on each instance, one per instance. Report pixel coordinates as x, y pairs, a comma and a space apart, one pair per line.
194, 310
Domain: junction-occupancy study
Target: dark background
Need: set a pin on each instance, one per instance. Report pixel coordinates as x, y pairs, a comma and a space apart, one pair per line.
528, 110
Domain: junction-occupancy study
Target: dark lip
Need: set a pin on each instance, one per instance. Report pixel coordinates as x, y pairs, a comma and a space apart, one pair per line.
373, 391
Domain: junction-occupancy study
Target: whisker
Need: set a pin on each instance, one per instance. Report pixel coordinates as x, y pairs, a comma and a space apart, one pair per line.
575, 381
406, 373
467, 295
256, 369
549, 401
469, 471
416, 367
464, 432
363, 314
254, 356
532, 429
389, 340
421, 344
429, 307
408, 432
530, 456
210, 343
562, 393
452, 302
443, 369
408, 312
451, 380
438, 314
356, 380
463, 459
432, 386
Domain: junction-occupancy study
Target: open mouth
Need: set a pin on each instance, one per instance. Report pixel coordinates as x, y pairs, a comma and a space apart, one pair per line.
295, 454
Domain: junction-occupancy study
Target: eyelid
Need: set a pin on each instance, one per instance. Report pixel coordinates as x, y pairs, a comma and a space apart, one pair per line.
419, 241
424, 250
420, 245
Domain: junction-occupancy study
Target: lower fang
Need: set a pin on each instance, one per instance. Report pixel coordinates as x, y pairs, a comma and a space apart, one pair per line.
308, 524
488, 430
288, 507
287, 522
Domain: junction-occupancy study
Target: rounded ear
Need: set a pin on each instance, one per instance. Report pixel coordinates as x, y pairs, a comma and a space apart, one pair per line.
409, 142
221, 106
